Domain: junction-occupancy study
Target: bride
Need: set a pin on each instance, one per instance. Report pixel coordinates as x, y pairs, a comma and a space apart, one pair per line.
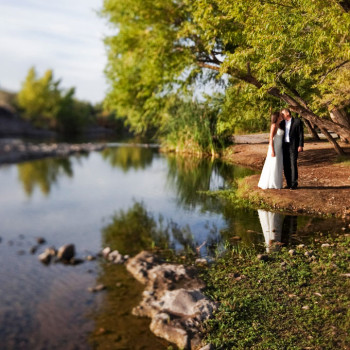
271, 176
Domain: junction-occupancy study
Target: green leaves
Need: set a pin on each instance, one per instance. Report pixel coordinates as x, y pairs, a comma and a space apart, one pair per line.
47, 105
163, 47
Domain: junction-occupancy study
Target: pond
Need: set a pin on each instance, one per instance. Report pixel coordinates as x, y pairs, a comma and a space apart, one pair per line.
127, 197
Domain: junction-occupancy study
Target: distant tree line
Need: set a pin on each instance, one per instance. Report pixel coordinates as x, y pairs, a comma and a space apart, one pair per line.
264, 55
46, 104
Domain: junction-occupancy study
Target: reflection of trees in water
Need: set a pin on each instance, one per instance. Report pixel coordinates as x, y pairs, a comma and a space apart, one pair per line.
136, 229
43, 173
128, 158
190, 175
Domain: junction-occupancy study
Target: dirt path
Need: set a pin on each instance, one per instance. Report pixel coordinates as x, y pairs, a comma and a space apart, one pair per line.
324, 184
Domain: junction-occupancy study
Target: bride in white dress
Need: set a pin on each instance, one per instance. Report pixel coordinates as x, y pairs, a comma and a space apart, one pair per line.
272, 173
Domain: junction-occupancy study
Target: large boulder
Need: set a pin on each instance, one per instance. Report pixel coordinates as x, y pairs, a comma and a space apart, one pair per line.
173, 298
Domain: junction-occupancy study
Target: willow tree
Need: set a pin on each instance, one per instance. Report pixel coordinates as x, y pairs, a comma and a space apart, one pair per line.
296, 51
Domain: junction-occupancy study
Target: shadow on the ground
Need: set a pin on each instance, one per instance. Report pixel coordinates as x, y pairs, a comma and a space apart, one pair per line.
324, 187
325, 156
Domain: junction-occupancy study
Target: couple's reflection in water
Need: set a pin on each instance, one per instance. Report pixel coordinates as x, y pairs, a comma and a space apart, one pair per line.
277, 229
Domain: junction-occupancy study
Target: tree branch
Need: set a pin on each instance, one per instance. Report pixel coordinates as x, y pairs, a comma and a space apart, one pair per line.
345, 4
209, 66
333, 69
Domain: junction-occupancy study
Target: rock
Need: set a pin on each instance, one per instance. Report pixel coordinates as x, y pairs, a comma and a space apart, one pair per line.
172, 298
202, 262
33, 249
66, 252
189, 303
161, 327
308, 253
45, 257
292, 252
40, 240
106, 251
139, 265
90, 258
283, 264
262, 257
97, 288
300, 246
207, 347
306, 307
325, 245
116, 257
76, 261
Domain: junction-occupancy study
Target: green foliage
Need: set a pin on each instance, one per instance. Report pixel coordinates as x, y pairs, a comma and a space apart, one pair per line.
145, 231
164, 47
40, 97
287, 302
244, 111
46, 104
190, 126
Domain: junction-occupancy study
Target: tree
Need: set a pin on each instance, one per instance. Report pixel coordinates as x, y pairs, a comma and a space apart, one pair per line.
46, 104
291, 50
39, 97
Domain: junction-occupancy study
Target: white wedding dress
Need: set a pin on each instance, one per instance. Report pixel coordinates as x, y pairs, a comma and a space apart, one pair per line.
272, 173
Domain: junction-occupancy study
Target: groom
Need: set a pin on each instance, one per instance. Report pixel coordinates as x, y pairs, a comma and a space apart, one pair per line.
293, 143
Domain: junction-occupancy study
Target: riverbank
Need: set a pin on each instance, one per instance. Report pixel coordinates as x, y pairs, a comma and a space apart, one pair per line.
324, 180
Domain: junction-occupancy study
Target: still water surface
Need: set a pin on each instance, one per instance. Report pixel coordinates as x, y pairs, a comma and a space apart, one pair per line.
127, 197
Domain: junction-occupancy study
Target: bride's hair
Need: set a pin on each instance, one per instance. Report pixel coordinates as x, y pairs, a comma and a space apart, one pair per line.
274, 117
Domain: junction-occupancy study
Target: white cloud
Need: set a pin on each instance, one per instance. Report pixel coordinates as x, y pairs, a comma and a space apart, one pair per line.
64, 35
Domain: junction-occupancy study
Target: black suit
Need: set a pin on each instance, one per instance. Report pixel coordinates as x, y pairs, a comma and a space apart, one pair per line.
290, 150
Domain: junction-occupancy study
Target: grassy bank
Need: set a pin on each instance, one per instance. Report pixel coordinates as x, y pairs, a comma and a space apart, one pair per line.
284, 301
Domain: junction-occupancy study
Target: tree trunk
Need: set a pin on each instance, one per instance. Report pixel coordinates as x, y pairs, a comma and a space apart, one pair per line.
297, 104
312, 130
345, 4
339, 116
309, 115
329, 137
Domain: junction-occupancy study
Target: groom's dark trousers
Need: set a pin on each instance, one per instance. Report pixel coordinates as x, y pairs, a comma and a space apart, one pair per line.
290, 151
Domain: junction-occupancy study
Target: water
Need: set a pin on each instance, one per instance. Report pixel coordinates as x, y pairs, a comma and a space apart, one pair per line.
127, 197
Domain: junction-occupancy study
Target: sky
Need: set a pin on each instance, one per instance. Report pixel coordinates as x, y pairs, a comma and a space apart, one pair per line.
63, 35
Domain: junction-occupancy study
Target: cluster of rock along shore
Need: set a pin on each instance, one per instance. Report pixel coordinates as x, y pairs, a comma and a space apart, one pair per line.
13, 150
172, 298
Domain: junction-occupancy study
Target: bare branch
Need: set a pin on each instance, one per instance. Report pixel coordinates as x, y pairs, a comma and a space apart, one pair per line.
209, 66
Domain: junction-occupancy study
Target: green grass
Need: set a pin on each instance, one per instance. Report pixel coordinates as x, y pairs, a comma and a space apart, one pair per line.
287, 302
